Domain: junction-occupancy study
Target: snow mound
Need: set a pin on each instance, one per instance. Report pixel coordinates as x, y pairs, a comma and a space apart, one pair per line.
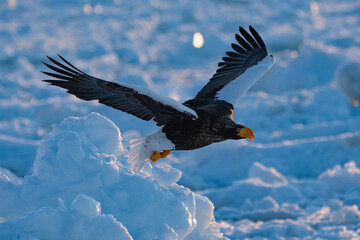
342, 179
81, 159
346, 215
268, 175
83, 220
264, 196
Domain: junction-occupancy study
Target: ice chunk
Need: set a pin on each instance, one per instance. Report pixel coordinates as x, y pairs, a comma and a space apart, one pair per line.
10, 191
64, 223
267, 203
266, 174
346, 215
205, 219
76, 161
86, 206
108, 140
341, 179
165, 174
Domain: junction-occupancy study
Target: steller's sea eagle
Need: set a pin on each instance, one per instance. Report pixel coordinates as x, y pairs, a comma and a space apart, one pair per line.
196, 123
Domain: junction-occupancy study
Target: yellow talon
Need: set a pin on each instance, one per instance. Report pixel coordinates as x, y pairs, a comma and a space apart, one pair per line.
165, 153
155, 156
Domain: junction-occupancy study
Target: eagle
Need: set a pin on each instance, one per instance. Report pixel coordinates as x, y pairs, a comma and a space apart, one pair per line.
198, 122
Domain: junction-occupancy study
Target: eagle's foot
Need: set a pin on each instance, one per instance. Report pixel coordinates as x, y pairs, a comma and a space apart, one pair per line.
165, 153
157, 155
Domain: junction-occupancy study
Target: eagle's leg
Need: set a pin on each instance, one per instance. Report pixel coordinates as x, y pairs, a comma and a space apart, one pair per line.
155, 156
165, 153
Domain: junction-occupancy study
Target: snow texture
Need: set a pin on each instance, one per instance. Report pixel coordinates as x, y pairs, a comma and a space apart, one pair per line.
78, 163
82, 220
299, 178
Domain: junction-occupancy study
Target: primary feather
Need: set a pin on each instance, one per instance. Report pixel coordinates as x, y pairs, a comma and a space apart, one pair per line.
249, 53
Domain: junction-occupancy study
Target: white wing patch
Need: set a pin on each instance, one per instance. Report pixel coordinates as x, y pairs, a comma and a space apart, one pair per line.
159, 98
233, 91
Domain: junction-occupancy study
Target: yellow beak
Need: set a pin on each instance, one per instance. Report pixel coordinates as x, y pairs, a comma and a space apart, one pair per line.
246, 133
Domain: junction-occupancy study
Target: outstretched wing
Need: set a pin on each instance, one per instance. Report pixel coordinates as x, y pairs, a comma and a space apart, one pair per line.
247, 64
140, 102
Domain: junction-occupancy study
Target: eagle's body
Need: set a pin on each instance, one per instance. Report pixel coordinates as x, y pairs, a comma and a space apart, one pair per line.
214, 118
196, 123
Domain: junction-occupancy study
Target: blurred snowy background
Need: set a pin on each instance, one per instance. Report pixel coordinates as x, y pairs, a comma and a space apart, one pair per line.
299, 178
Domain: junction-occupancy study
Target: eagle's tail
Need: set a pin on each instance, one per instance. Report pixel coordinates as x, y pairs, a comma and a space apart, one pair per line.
141, 149
138, 153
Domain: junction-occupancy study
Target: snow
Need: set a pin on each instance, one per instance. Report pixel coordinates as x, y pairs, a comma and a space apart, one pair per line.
70, 178
337, 176
83, 168
83, 220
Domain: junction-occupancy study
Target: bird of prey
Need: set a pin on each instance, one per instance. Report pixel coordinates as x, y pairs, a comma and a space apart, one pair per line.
196, 123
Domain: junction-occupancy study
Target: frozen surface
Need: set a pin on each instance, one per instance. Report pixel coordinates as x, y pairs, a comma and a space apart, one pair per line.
82, 220
299, 178
81, 159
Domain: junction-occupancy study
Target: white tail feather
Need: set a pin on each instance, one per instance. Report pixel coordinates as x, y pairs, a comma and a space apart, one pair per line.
142, 148
138, 153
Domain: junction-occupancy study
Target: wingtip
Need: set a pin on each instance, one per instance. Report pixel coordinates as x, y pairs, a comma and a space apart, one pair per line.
48, 81
46, 73
68, 63
50, 58
46, 64
61, 57
241, 29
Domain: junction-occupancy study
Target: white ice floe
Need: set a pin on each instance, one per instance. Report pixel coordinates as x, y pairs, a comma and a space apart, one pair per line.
82, 220
79, 160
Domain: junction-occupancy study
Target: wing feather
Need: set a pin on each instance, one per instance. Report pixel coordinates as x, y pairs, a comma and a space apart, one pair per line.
238, 48
233, 54
257, 37
137, 101
243, 43
249, 52
248, 38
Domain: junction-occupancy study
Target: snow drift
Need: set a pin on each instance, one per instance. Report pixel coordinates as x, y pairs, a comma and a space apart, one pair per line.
81, 182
